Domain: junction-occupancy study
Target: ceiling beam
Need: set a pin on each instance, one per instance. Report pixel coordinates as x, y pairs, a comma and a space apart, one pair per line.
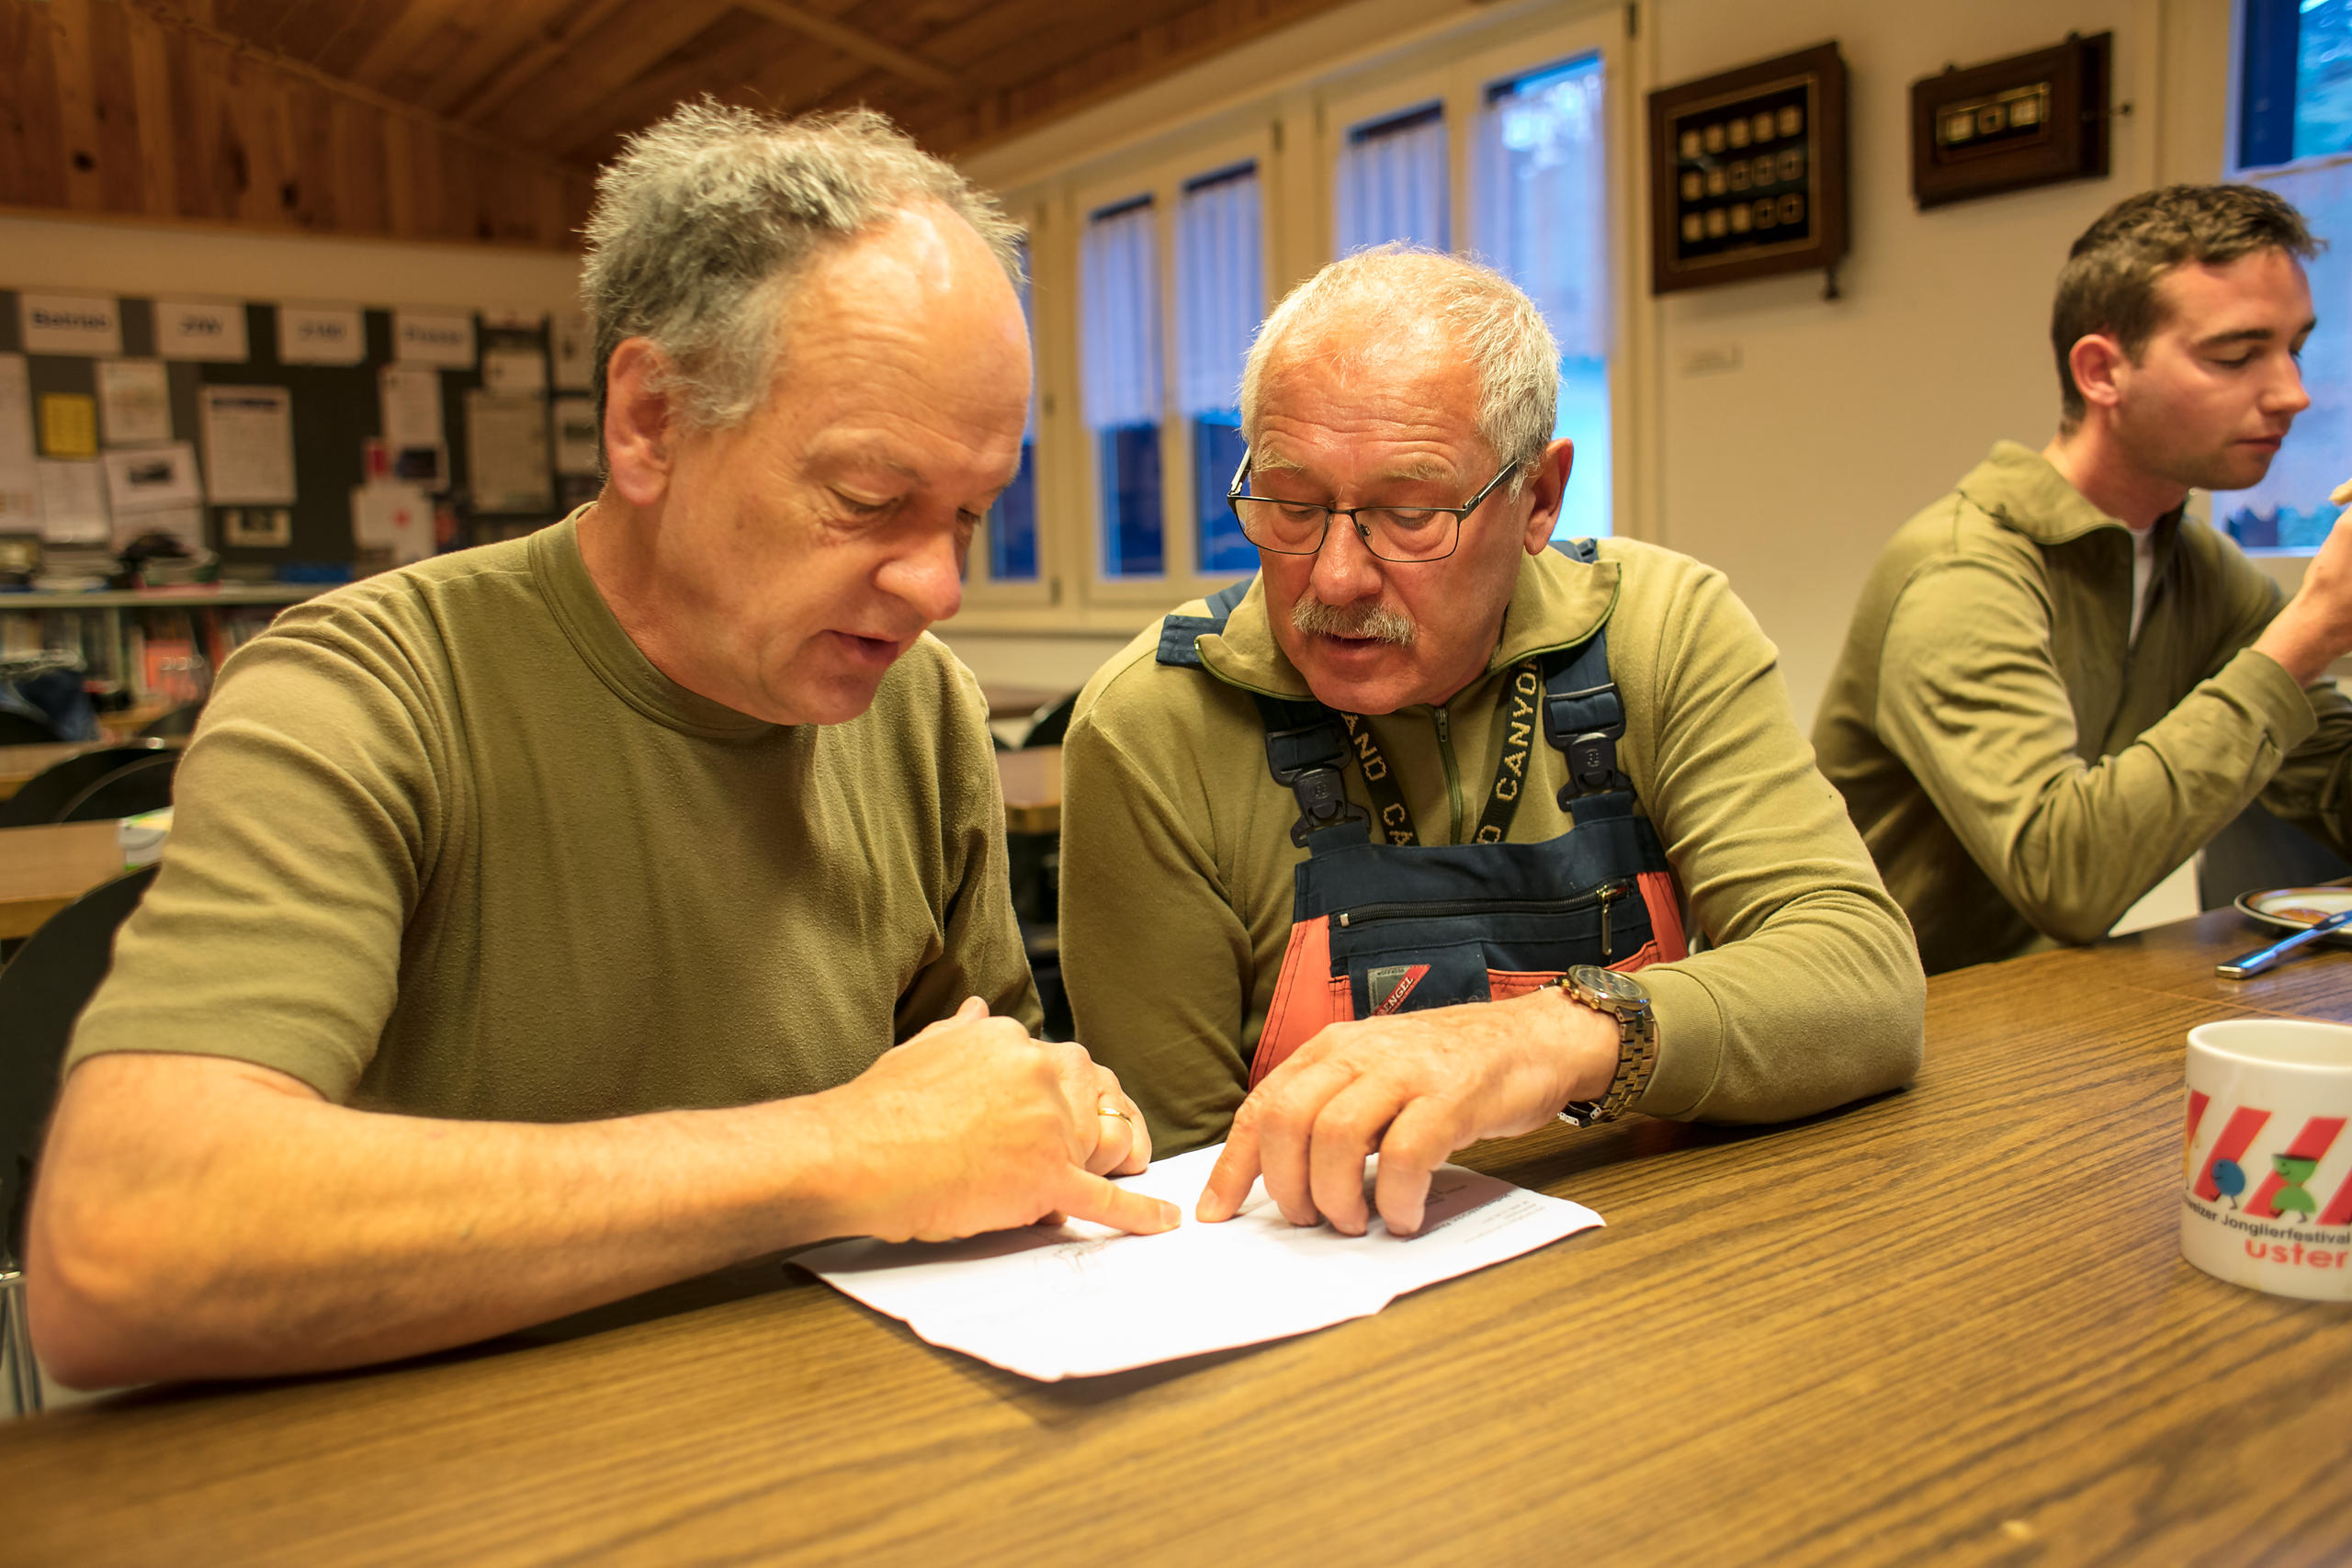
551, 48
848, 40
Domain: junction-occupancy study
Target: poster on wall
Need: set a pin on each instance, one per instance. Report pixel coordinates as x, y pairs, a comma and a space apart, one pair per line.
72, 503
135, 402
444, 339
211, 330
70, 323
145, 478
321, 334
19, 486
507, 451
248, 446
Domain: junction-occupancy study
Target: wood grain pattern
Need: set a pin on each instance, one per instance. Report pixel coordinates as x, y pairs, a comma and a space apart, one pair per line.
1949, 1325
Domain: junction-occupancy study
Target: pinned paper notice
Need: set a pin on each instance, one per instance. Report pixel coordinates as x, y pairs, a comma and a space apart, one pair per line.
1079, 1300
135, 402
394, 517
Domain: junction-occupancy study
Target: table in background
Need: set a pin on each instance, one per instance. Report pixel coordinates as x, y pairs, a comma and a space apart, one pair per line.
1949, 1325
1032, 780
44, 869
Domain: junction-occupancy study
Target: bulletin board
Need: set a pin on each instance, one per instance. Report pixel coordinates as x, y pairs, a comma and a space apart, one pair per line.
521, 376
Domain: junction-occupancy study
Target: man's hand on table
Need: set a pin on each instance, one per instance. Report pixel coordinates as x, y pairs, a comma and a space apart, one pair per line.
974, 1126
1412, 1087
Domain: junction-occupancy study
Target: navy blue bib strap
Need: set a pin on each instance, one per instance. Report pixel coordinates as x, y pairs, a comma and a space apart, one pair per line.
1177, 633
1306, 751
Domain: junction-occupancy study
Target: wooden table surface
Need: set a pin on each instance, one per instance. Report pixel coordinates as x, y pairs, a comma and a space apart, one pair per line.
44, 869
1949, 1325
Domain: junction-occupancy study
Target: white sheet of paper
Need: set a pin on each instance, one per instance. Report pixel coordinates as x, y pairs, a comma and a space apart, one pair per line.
444, 338
579, 443
248, 446
19, 483
72, 503
1082, 1300
150, 477
135, 402
185, 523
210, 330
506, 452
512, 372
395, 517
410, 396
70, 323
321, 334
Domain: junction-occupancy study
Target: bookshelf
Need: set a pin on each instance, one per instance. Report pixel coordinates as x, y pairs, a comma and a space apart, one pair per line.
144, 648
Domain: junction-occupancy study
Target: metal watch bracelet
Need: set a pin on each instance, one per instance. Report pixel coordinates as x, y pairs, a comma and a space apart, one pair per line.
1636, 1054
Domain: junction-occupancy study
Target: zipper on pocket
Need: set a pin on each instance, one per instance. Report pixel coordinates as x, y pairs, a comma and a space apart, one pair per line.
1607, 894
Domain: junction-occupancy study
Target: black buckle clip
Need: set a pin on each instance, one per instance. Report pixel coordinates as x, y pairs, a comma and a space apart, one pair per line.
1591, 754
1312, 770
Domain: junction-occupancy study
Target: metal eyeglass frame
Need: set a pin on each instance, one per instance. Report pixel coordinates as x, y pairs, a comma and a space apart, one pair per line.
1235, 495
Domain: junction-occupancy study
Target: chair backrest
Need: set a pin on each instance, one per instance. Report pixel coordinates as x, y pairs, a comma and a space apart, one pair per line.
43, 992
2258, 851
1051, 724
47, 795
176, 725
142, 785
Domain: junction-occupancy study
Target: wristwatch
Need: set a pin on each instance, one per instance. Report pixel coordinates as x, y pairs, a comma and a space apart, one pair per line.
1627, 1001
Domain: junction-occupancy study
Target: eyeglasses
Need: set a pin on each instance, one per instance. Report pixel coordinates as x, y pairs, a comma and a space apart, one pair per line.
1391, 533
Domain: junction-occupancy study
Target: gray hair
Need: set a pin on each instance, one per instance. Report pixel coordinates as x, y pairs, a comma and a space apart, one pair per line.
706, 218
1383, 291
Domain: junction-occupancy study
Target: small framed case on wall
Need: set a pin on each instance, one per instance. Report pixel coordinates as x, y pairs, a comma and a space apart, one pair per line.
2031, 119
1747, 172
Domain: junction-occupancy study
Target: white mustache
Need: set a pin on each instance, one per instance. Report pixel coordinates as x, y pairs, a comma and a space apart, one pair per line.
1375, 621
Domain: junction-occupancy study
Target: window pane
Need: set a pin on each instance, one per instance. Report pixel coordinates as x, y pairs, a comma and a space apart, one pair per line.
1120, 350
1013, 522
1540, 197
2290, 510
1217, 453
2324, 78
1128, 456
1392, 183
1220, 298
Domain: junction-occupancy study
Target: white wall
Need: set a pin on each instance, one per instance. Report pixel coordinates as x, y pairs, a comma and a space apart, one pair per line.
144, 259
1844, 417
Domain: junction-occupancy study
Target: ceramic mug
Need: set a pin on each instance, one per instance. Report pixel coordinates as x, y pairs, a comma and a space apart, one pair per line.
2267, 1172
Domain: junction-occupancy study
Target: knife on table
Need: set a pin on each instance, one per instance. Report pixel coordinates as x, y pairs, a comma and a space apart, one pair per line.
2249, 964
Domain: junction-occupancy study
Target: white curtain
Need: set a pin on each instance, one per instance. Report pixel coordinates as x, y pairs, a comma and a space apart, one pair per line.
1543, 199
1120, 333
1393, 184
1220, 288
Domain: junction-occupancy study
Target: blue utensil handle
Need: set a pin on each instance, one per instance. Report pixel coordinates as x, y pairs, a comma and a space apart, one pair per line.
2247, 965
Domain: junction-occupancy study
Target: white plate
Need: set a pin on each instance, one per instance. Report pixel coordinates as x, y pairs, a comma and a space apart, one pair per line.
2296, 909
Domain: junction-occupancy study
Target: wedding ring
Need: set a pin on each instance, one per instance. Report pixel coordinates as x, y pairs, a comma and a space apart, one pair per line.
1107, 1108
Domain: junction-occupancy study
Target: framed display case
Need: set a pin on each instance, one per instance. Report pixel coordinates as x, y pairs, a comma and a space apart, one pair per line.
2033, 119
1747, 172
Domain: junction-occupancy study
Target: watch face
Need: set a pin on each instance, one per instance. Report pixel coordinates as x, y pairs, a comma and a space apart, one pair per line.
1609, 983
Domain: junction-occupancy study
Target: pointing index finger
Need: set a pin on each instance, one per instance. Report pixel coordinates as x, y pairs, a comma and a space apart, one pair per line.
1086, 1196
1230, 1180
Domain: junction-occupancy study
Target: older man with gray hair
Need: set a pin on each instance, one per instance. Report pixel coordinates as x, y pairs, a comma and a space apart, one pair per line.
1395, 847
556, 919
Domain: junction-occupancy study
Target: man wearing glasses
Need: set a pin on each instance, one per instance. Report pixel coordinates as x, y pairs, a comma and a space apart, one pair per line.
1395, 848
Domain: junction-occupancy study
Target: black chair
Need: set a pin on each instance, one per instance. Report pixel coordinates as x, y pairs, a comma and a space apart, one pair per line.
1051, 724
20, 729
142, 785
2258, 851
176, 725
43, 992
47, 795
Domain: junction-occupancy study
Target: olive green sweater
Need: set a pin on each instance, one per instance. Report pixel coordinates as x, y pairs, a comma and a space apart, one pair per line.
446, 843
1176, 857
2018, 767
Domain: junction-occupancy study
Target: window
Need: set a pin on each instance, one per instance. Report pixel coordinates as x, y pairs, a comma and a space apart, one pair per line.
1013, 522
2294, 135
1392, 183
1122, 385
1542, 197
1220, 298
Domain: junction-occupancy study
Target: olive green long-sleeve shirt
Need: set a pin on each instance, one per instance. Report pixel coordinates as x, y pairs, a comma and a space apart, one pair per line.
1177, 858
2018, 767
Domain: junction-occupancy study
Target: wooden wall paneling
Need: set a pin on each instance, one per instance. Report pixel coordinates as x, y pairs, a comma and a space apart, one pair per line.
424, 175
358, 154
309, 117
115, 101
77, 117
250, 139
32, 139
409, 25
802, 79
214, 167
157, 114
403, 216
720, 57
600, 65
524, 70
866, 40
507, 31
